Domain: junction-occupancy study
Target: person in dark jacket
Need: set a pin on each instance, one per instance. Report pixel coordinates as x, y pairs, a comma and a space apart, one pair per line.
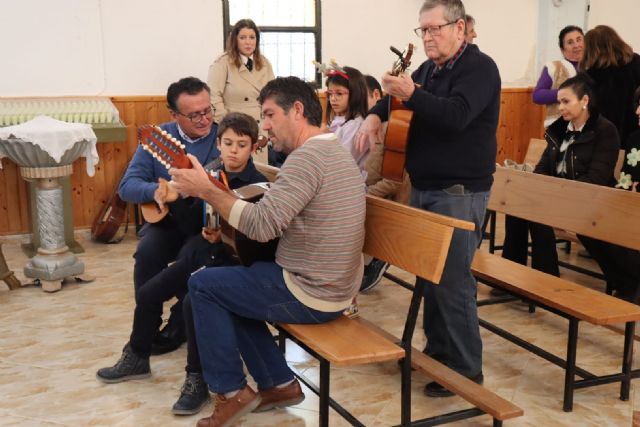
189, 105
582, 146
621, 266
451, 154
615, 70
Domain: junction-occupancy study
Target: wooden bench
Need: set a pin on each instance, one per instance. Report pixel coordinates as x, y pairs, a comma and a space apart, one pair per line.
415, 241
532, 156
595, 211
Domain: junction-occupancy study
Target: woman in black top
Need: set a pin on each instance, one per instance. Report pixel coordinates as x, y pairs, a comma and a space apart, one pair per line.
582, 146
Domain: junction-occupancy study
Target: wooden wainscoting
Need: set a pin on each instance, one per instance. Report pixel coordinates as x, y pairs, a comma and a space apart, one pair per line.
520, 120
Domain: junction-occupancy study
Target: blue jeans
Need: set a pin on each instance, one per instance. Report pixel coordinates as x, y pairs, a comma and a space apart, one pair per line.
450, 310
231, 306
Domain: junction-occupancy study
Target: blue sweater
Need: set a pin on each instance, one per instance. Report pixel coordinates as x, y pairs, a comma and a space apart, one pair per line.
141, 179
452, 139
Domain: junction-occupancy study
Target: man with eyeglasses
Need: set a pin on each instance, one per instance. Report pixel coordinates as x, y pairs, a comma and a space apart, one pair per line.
161, 243
451, 151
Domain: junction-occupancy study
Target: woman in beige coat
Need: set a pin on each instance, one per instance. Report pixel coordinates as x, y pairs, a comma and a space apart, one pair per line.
237, 76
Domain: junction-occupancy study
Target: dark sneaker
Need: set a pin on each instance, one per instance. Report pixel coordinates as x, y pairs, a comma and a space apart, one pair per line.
433, 389
227, 411
373, 274
193, 395
168, 339
129, 367
280, 397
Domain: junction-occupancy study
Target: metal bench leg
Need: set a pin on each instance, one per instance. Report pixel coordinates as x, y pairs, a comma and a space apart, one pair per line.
324, 393
570, 370
627, 360
282, 341
497, 422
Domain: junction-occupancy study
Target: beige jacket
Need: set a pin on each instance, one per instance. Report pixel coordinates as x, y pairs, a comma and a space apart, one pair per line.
234, 89
237, 90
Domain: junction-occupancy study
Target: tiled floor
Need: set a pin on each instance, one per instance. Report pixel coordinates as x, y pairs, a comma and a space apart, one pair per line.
52, 344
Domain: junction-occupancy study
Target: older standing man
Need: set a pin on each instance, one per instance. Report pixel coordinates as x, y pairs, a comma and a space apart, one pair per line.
451, 151
318, 265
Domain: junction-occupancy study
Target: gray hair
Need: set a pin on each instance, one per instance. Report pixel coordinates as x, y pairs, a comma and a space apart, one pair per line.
453, 9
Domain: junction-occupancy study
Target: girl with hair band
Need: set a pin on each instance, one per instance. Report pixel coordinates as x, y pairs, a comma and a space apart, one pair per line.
347, 102
347, 106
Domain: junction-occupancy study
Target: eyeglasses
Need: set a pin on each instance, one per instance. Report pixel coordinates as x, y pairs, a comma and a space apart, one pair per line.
434, 30
337, 93
197, 116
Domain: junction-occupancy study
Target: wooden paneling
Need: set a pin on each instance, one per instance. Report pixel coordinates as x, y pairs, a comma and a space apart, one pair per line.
520, 120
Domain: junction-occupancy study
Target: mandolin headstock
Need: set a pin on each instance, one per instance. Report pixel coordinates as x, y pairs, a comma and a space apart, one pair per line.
163, 147
404, 59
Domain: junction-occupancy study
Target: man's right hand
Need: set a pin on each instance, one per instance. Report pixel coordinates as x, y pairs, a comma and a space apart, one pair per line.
164, 193
369, 133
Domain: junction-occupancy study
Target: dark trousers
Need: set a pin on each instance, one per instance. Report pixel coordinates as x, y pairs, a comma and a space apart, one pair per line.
450, 309
544, 256
193, 358
620, 266
152, 290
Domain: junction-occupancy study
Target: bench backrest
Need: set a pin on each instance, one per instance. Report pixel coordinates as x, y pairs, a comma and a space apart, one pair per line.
270, 172
534, 151
412, 239
603, 213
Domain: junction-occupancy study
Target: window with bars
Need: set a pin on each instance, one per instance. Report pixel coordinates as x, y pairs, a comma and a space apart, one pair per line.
290, 32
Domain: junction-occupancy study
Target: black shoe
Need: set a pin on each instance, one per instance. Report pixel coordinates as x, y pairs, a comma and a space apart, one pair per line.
373, 274
193, 395
433, 389
168, 339
129, 367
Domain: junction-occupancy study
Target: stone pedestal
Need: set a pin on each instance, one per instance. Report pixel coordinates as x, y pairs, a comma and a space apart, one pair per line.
53, 261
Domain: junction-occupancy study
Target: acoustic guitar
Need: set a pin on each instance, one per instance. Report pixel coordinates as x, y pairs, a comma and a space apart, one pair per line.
395, 141
152, 212
170, 153
108, 221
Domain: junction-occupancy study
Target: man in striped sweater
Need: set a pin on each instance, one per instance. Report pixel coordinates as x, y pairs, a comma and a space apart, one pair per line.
317, 208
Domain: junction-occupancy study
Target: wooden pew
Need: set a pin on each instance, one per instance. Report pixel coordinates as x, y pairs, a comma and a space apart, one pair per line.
416, 241
599, 212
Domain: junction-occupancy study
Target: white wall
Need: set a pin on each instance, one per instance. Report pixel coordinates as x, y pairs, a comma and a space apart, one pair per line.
621, 15
137, 47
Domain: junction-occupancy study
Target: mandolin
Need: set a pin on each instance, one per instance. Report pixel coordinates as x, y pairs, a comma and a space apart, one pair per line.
395, 141
108, 221
170, 153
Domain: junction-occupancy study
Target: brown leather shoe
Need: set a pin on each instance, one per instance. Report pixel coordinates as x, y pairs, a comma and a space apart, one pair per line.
227, 411
280, 397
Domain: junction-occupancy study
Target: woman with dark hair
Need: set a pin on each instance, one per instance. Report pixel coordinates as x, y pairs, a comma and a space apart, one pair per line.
615, 70
237, 76
554, 73
582, 146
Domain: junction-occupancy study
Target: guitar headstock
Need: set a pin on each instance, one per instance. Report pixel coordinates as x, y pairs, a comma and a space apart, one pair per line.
404, 59
163, 147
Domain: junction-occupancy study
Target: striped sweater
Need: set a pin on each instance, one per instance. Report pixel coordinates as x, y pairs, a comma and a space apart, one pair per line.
317, 208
